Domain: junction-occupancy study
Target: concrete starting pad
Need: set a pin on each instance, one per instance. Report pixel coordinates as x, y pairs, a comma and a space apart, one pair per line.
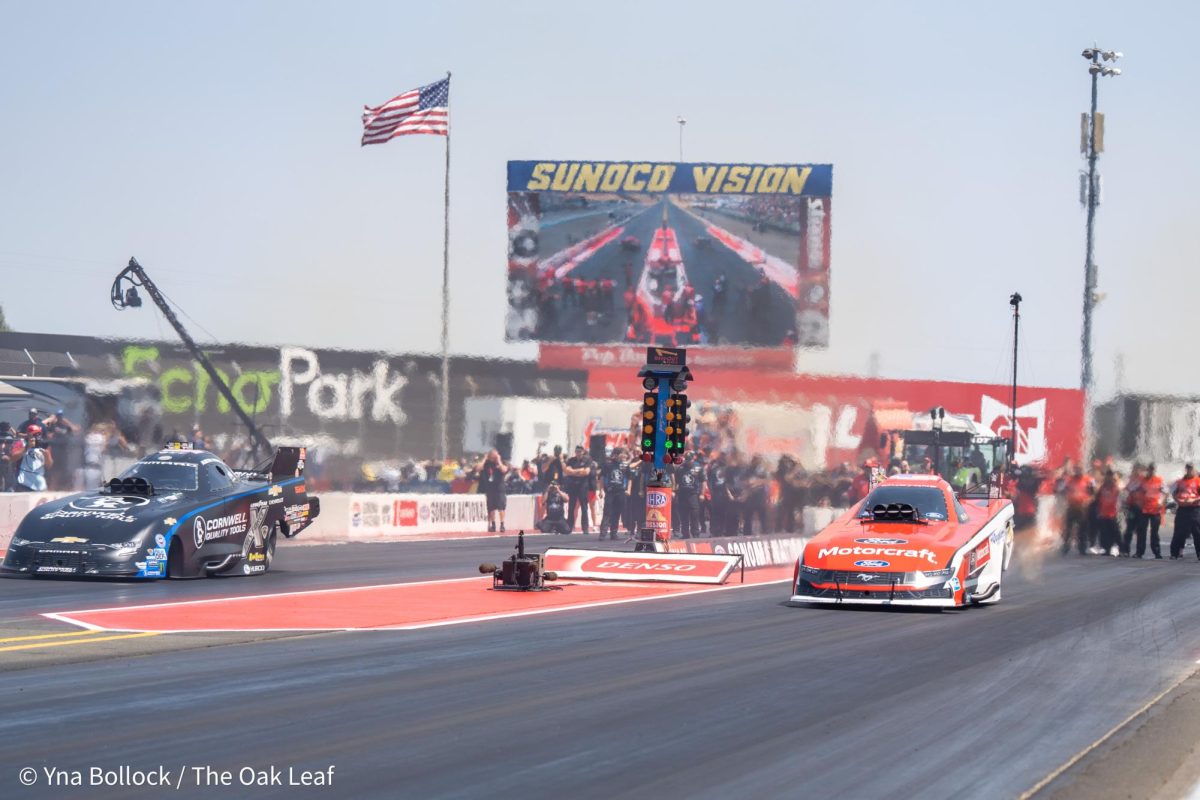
611, 565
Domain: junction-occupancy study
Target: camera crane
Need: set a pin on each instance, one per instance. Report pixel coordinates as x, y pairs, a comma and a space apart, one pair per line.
128, 297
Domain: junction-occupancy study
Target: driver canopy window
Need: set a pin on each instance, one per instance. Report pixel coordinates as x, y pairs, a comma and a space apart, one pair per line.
217, 475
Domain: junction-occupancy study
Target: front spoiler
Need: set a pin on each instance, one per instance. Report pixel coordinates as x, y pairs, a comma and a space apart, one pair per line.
89, 564
132, 573
928, 602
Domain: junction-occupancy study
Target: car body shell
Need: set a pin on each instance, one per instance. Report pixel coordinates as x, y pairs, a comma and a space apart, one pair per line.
865, 558
227, 525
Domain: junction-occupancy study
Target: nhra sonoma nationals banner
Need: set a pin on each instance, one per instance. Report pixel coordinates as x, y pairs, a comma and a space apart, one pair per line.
675, 254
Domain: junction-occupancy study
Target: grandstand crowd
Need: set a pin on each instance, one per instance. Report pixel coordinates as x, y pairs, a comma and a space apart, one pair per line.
720, 490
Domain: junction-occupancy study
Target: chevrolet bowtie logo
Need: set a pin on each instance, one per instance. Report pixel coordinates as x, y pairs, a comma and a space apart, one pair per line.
68, 540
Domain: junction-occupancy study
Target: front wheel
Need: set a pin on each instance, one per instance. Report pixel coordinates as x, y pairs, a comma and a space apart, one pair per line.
175, 559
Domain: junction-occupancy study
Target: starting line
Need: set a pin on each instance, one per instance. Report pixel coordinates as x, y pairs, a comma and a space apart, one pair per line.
397, 606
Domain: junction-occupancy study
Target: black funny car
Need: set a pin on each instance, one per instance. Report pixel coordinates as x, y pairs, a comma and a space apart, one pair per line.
177, 513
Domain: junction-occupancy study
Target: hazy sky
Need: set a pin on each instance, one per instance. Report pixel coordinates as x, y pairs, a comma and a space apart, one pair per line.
218, 143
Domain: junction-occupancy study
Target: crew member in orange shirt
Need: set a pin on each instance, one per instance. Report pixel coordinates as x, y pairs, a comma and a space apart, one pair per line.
1078, 489
1135, 493
1108, 507
861, 486
1187, 516
1152, 511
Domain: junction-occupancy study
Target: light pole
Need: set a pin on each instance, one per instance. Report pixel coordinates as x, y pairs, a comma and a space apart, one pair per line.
681, 122
1014, 300
1092, 144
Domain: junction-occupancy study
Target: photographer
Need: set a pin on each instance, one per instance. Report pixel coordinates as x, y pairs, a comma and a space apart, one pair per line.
31, 475
492, 471
554, 502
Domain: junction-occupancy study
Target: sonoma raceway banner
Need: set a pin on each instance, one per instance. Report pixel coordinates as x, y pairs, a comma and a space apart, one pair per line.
757, 552
669, 253
386, 516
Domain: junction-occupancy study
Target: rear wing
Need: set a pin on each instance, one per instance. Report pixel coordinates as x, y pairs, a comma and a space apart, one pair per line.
288, 462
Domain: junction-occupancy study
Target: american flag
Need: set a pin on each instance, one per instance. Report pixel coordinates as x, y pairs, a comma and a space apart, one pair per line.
424, 110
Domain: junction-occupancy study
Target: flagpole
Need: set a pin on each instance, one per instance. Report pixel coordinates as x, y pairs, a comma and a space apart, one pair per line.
444, 406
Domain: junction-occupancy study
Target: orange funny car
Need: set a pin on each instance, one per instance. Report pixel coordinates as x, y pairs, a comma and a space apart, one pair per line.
911, 542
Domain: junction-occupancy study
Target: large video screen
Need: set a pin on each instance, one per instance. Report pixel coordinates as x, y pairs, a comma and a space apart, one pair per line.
672, 254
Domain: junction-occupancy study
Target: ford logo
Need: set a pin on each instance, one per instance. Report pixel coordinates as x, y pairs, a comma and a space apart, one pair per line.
881, 540
872, 563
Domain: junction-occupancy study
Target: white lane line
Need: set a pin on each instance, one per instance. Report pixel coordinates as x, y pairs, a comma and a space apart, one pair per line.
61, 616
1111, 732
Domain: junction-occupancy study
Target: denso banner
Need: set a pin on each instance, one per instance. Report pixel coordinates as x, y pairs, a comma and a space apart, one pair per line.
617, 566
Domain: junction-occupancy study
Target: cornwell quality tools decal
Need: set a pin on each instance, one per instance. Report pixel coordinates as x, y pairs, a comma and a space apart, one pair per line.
207, 530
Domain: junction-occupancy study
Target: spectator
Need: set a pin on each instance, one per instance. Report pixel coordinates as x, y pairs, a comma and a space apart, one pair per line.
724, 520
31, 475
578, 481
94, 445
755, 496
616, 489
792, 493
198, 441
689, 484
62, 442
594, 489
492, 472
642, 473
33, 419
8, 476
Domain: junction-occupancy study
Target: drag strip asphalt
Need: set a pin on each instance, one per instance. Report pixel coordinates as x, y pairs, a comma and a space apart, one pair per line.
724, 694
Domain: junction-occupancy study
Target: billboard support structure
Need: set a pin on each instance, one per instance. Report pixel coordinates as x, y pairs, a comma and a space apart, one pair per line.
444, 405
